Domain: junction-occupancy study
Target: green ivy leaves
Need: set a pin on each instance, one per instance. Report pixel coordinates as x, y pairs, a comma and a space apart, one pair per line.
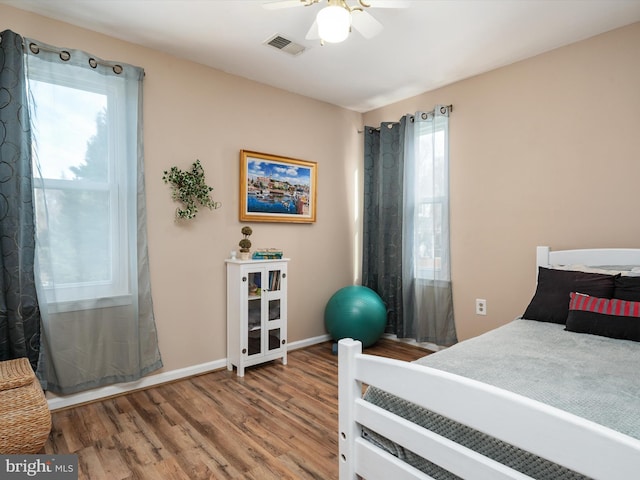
189, 188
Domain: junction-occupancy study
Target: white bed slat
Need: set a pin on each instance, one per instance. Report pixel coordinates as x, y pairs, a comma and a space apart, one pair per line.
376, 463
446, 453
560, 437
349, 389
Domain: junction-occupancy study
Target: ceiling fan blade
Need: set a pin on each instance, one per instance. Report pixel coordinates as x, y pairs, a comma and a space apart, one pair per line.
364, 23
286, 4
387, 3
313, 33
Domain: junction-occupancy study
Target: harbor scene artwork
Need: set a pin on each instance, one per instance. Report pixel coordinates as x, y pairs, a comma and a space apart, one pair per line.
276, 189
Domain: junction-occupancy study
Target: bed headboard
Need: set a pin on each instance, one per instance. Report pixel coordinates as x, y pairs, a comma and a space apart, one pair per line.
592, 257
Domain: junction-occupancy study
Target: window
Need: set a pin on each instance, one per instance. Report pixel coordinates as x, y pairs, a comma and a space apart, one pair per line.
80, 188
431, 192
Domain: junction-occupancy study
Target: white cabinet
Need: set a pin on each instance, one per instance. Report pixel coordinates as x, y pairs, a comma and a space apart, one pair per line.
256, 312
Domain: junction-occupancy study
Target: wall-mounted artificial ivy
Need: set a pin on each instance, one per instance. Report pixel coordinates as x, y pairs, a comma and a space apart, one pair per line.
189, 188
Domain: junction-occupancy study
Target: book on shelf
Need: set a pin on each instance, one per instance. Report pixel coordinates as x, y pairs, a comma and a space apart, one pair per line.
267, 254
274, 280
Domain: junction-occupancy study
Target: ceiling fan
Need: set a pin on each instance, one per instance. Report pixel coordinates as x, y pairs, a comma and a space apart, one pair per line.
334, 22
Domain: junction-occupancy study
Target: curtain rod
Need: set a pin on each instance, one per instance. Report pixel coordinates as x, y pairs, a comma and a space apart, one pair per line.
65, 55
442, 110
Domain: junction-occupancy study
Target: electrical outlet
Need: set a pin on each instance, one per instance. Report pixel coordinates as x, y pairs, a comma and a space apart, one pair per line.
481, 306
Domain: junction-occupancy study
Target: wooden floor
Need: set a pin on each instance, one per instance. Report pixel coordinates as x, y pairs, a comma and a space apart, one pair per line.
278, 422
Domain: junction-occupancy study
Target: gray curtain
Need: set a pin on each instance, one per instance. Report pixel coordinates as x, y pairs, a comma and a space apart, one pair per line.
92, 266
406, 256
382, 212
426, 261
19, 313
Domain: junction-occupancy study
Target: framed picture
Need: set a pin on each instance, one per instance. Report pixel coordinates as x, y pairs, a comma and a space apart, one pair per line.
277, 189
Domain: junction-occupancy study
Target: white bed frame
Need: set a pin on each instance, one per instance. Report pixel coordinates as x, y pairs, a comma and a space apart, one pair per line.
571, 441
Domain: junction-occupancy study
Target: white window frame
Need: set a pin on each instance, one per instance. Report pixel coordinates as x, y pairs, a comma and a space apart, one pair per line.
436, 201
116, 290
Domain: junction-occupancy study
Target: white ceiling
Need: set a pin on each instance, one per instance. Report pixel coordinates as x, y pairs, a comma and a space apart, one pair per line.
425, 46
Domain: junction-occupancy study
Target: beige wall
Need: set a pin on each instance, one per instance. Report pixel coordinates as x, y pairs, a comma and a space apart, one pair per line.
543, 152
195, 112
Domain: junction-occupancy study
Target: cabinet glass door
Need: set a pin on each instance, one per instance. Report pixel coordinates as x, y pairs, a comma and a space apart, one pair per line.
273, 307
274, 333
254, 331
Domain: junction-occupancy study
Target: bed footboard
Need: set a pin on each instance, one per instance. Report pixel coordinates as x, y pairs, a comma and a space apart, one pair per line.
573, 442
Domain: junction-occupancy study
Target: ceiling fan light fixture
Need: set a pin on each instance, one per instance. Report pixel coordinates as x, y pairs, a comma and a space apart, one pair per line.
334, 23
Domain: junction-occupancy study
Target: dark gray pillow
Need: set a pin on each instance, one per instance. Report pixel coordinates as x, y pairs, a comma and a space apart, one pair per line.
627, 288
550, 303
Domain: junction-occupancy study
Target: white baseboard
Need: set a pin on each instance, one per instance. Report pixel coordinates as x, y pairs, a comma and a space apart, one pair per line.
308, 342
57, 402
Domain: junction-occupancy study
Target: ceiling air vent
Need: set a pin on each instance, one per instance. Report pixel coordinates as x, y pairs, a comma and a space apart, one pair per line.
285, 45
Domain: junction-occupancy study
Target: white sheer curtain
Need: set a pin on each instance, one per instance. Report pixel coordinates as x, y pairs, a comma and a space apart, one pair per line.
426, 271
91, 245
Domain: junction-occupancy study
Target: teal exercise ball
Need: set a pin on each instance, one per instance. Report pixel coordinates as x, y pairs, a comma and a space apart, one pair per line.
356, 312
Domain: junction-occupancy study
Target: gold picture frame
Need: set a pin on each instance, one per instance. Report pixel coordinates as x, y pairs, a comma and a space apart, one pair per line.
277, 189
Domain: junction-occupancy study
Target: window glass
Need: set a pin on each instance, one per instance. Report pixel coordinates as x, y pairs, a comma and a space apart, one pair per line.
431, 197
80, 217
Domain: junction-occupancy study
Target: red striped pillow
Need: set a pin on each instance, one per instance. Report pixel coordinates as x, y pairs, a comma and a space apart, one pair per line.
605, 306
608, 317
